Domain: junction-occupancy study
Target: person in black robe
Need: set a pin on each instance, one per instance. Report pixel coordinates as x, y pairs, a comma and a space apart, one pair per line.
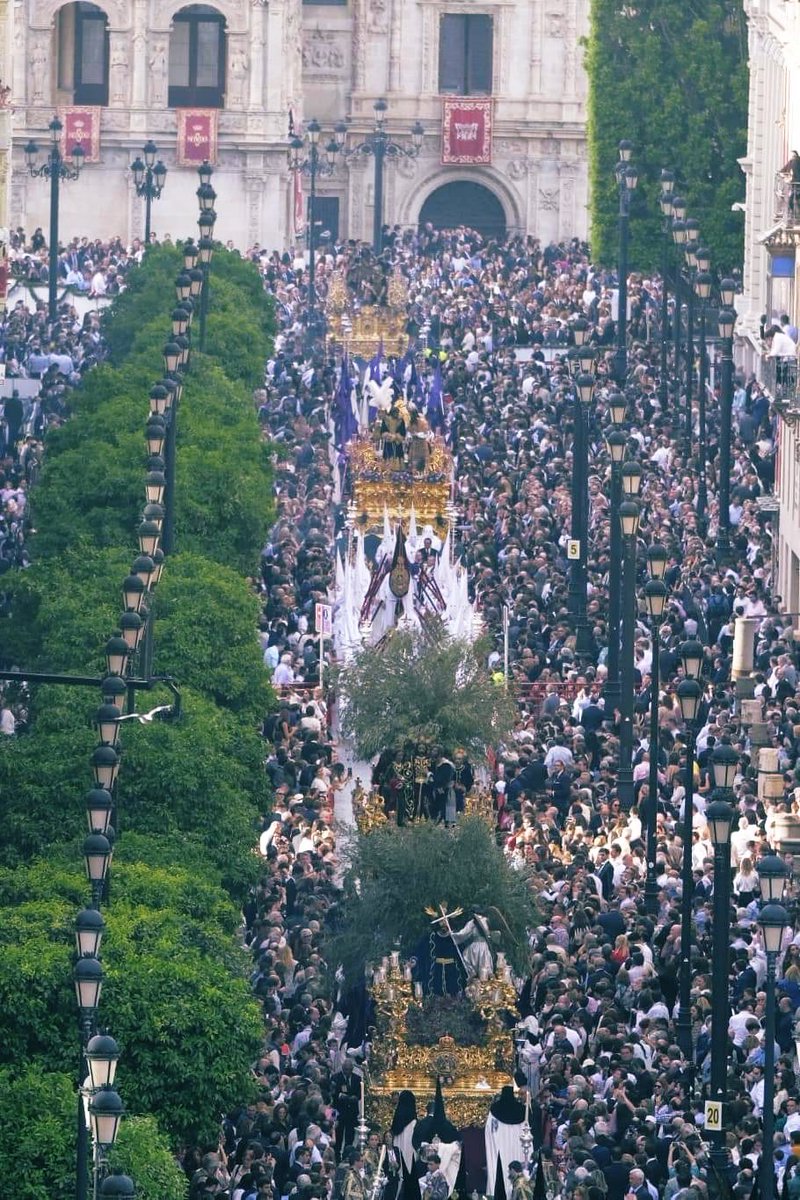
439, 966
443, 804
463, 778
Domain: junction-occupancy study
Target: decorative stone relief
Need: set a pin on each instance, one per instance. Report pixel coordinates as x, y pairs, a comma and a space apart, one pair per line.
158, 75
238, 76
554, 25
407, 167
509, 146
118, 75
518, 168
548, 199
359, 46
38, 67
377, 16
323, 52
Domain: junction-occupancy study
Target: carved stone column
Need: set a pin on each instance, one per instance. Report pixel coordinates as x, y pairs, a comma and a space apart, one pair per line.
395, 45
258, 38
139, 57
119, 70
359, 64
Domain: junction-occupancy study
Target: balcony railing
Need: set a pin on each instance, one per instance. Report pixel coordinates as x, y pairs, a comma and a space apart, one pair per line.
779, 376
787, 200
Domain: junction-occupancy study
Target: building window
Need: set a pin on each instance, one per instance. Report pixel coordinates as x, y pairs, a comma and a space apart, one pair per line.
465, 54
197, 58
82, 34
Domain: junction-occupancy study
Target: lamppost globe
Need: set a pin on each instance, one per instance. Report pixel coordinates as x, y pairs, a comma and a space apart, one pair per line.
727, 292
629, 514
689, 695
719, 816
617, 407
692, 656
117, 653
105, 766
726, 322
772, 921
102, 1056
655, 594
89, 930
631, 479
88, 979
97, 855
105, 1113
616, 443
118, 1187
725, 766
99, 807
772, 874
657, 559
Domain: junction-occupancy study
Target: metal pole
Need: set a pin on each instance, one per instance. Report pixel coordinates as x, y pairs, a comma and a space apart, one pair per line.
651, 887
614, 587
577, 574
720, 1000
625, 773
505, 645
702, 488
52, 260
684, 1022
621, 355
312, 259
148, 199
82, 1143
768, 1138
662, 383
676, 353
724, 489
689, 361
379, 146
203, 306
168, 534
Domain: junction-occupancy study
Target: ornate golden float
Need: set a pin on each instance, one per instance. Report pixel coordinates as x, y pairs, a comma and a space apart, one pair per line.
471, 1074
393, 486
360, 329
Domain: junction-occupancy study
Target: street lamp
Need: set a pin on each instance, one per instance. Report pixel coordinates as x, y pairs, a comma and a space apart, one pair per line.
719, 815
689, 696
96, 855
105, 766
315, 166
55, 168
772, 919
88, 979
582, 393
726, 320
380, 145
665, 203
105, 1113
627, 177
702, 287
118, 1187
655, 594
629, 514
149, 177
616, 443
99, 807
690, 248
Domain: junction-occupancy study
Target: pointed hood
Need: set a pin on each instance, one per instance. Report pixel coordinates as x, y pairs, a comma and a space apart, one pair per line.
436, 1125
507, 1109
405, 1112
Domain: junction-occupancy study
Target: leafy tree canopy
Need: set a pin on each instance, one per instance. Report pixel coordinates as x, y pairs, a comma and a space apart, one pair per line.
672, 78
434, 688
394, 873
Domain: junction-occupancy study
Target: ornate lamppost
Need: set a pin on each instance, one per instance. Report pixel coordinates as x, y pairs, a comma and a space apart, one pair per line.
148, 177
315, 165
627, 177
380, 145
55, 168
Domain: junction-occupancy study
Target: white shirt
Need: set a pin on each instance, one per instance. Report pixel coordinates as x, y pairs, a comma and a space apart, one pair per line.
8, 724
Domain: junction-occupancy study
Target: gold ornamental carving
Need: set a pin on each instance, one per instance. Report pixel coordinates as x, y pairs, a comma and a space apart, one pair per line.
360, 329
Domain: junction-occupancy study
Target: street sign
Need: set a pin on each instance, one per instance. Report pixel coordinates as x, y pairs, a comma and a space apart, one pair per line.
573, 549
324, 619
713, 1115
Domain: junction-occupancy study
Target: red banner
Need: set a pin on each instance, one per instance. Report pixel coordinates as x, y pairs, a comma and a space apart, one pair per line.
81, 128
197, 136
466, 130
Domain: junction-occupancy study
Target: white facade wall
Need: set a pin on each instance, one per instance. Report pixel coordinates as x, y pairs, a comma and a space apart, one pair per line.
327, 61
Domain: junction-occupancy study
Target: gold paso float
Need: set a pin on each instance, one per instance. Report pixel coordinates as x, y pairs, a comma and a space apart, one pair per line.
471, 1075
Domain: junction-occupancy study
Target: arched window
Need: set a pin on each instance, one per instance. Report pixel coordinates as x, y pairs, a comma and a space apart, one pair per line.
82, 43
197, 58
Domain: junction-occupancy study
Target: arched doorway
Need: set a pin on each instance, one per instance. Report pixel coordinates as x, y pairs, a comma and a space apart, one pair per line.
464, 203
82, 54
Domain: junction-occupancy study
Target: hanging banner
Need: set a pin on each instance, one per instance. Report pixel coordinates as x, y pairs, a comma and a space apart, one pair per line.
197, 136
297, 205
81, 128
466, 130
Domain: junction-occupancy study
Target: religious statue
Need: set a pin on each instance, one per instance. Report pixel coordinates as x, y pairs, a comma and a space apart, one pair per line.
439, 964
392, 430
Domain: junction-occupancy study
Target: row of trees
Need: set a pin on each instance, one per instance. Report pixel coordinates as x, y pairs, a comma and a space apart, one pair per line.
672, 78
190, 793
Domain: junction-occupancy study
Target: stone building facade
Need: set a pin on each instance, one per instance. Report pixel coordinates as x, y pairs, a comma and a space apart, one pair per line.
264, 65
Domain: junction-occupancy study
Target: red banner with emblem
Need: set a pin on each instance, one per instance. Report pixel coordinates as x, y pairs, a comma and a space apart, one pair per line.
81, 128
197, 136
466, 130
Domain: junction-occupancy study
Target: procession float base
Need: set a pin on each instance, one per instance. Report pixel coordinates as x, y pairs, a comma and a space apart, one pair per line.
467, 1101
359, 327
390, 487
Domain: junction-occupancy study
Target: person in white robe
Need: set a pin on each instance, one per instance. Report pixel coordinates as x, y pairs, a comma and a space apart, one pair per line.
503, 1145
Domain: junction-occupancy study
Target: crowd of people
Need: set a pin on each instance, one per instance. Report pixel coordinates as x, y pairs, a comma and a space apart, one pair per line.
617, 1106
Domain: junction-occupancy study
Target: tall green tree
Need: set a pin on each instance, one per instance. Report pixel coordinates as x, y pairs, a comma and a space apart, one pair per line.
435, 688
671, 77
